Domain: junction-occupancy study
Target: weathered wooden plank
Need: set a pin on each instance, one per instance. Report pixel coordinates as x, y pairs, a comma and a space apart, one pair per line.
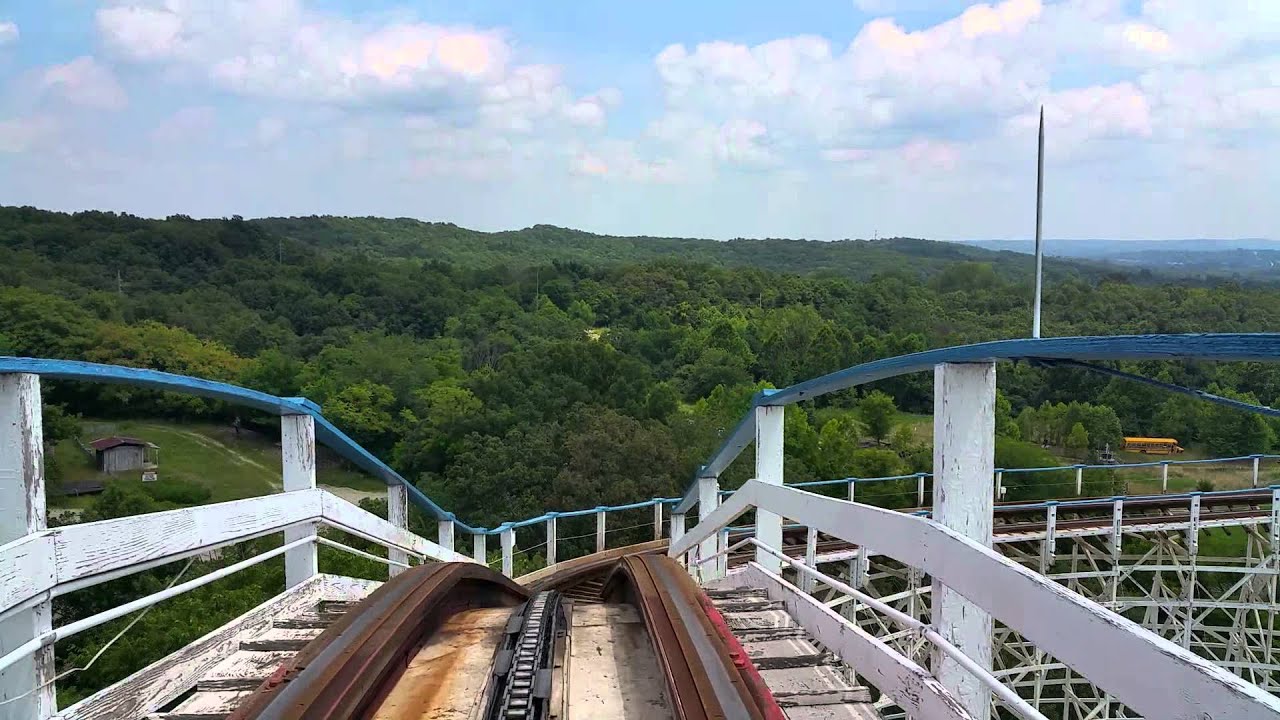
1065, 624
27, 568
244, 670
910, 685
298, 460
161, 682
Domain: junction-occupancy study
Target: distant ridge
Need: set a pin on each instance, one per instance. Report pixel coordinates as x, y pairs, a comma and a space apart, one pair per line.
1103, 248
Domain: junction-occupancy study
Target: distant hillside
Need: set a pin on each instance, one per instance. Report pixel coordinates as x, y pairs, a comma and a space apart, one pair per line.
1254, 259
540, 244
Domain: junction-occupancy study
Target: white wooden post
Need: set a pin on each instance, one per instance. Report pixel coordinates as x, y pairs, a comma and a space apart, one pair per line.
657, 518
398, 515
810, 558
1117, 547
22, 512
445, 530
1050, 547
298, 450
708, 501
600, 521
551, 540
677, 527
1079, 480
722, 562
479, 552
964, 398
919, 489
1193, 552
999, 485
1256, 461
1164, 477
853, 483
769, 455
508, 538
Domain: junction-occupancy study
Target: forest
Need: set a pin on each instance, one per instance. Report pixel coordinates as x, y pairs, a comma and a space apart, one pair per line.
519, 372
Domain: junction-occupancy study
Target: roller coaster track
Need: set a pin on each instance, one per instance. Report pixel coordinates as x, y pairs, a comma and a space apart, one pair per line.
348, 671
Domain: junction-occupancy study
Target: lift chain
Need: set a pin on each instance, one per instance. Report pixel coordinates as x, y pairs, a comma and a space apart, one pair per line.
522, 669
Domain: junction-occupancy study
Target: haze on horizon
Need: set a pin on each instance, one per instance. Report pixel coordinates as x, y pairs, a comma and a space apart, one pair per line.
812, 119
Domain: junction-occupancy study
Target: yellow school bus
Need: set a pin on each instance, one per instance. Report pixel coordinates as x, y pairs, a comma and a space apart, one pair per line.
1152, 446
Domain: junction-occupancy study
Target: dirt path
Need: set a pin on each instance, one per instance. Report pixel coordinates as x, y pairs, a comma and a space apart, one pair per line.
352, 495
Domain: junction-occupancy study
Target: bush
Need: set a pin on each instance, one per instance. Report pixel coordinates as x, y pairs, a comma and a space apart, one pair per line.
177, 492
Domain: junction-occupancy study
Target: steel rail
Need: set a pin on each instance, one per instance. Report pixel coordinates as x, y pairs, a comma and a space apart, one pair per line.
349, 668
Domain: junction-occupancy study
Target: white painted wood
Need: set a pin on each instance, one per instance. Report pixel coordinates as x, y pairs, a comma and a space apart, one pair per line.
1079, 481
853, 492
162, 682
508, 539
479, 553
552, 540
342, 515
445, 533
22, 513
769, 461
708, 501
600, 521
963, 462
1048, 547
920, 490
1256, 462
298, 453
657, 519
910, 685
677, 526
999, 485
810, 558
1164, 477
398, 516
1063, 623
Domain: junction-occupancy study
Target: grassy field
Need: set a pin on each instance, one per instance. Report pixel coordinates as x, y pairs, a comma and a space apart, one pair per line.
210, 455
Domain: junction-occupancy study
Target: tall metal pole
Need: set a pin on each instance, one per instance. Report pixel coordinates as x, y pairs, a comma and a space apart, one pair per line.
1035, 313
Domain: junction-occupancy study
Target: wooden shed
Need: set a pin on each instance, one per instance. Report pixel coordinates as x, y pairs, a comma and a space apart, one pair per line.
121, 454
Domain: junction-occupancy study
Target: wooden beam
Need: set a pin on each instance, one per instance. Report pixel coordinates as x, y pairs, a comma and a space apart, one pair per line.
398, 517
298, 452
769, 461
22, 514
964, 398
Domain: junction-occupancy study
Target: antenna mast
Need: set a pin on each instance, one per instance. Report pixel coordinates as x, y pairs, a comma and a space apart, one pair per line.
1035, 313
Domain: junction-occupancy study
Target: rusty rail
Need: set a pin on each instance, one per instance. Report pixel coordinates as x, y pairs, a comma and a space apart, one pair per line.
345, 672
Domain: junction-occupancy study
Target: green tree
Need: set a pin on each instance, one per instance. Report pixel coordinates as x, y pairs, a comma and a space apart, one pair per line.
1078, 438
878, 414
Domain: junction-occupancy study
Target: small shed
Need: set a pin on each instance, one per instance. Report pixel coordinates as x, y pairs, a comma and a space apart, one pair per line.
120, 454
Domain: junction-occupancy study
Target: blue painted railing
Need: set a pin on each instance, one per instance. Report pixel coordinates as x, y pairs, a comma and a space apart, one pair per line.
1221, 347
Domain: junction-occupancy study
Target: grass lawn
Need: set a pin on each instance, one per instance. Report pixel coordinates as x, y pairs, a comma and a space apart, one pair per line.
203, 453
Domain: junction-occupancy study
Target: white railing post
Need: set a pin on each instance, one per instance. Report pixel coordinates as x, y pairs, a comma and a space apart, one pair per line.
1050, 546
708, 501
398, 515
22, 512
508, 539
769, 456
1079, 480
853, 484
1164, 477
298, 451
657, 518
445, 530
999, 485
677, 527
600, 521
1256, 461
919, 489
810, 558
551, 539
479, 552
963, 461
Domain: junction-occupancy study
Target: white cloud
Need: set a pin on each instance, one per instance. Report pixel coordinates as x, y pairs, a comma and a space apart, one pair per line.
187, 126
8, 33
270, 130
86, 82
19, 135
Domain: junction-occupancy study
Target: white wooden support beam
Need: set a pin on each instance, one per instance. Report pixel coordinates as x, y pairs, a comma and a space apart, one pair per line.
398, 515
853, 492
657, 518
999, 485
1193, 551
1256, 462
677, 526
479, 552
445, 530
551, 539
810, 558
1048, 547
1193, 527
1275, 522
722, 562
708, 501
963, 462
1164, 477
22, 513
600, 527
769, 460
1117, 547
1079, 480
919, 489
508, 539
298, 451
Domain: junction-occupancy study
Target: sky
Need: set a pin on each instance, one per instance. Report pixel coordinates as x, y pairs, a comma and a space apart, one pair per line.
717, 118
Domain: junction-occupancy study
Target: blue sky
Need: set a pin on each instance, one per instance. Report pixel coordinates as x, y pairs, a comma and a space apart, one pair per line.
845, 118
